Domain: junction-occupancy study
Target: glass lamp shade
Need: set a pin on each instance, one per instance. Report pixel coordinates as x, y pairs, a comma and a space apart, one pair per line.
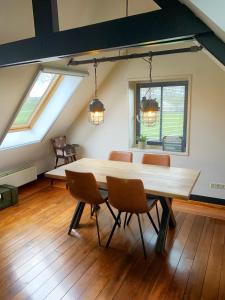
149, 109
96, 112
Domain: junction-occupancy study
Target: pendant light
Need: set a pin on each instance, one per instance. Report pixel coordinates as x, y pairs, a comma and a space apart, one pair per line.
149, 107
96, 108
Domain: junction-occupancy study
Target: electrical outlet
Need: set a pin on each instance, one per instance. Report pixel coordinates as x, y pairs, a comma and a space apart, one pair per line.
217, 186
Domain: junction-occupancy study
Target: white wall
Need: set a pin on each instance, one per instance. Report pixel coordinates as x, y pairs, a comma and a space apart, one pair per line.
207, 115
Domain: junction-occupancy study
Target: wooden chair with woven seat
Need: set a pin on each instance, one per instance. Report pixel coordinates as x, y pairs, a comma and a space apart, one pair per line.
64, 151
128, 195
83, 187
121, 156
158, 160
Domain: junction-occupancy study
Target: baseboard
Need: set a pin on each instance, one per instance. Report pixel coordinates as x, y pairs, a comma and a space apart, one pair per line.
206, 199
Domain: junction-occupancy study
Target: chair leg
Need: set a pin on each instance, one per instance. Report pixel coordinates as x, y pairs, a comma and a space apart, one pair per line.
112, 213
125, 220
128, 221
96, 215
142, 239
56, 162
153, 224
157, 212
113, 229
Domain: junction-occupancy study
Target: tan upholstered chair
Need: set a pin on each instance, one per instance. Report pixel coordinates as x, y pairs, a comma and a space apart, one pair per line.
128, 195
121, 156
156, 159
83, 187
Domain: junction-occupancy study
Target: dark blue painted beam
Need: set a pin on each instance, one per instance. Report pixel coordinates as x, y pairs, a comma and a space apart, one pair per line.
209, 40
45, 14
134, 30
214, 45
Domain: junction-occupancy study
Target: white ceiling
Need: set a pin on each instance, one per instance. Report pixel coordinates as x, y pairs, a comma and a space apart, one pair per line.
212, 12
76, 13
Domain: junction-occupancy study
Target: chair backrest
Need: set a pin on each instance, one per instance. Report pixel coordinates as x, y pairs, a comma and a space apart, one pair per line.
83, 187
58, 143
121, 156
127, 194
156, 159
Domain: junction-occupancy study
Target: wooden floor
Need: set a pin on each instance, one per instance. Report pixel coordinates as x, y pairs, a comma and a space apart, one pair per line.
38, 260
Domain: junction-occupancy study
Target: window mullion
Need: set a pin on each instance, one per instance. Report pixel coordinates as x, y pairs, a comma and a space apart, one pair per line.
161, 114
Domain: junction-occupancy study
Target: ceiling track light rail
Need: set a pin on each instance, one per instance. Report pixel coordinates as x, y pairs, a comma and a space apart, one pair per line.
135, 55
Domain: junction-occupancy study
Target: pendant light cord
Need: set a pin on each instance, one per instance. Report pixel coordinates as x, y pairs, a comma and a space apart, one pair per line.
95, 66
149, 61
127, 10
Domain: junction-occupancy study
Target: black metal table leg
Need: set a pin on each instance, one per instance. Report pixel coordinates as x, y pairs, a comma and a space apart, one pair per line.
76, 217
172, 221
160, 244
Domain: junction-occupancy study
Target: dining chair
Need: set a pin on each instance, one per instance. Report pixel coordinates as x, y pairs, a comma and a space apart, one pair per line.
121, 156
128, 195
83, 187
158, 160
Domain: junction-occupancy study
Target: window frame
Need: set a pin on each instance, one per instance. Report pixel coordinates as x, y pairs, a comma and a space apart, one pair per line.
161, 84
41, 106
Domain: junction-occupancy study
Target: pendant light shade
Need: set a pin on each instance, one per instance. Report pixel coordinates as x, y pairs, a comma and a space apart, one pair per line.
96, 108
149, 107
96, 112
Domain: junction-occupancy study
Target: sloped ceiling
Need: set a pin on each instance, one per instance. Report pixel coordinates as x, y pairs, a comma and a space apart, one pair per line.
211, 13
76, 13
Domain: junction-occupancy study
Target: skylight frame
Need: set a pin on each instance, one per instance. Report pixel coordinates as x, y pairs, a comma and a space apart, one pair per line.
41, 105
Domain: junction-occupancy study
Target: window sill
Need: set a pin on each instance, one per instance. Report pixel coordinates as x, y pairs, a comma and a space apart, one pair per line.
158, 150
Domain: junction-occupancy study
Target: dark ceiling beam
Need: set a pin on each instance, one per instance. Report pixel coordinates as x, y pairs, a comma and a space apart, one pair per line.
45, 13
208, 40
133, 30
166, 4
214, 45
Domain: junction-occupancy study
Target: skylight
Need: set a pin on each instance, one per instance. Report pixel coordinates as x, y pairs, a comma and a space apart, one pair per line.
35, 100
45, 100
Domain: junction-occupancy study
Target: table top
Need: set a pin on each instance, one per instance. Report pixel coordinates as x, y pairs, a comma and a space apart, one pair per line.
158, 180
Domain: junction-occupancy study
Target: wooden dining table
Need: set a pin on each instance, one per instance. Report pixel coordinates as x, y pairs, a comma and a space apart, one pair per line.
165, 183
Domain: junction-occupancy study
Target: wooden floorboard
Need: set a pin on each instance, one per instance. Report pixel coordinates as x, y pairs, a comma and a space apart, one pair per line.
38, 260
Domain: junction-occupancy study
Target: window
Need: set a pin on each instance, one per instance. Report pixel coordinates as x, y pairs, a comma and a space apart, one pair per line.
50, 92
35, 101
172, 116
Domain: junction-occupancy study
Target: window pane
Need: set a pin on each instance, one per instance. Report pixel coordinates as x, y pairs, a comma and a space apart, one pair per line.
173, 110
152, 133
33, 99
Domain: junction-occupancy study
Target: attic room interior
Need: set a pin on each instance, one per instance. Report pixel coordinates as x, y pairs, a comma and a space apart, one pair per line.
112, 170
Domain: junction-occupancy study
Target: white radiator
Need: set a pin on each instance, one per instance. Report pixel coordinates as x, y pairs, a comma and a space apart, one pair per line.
19, 176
